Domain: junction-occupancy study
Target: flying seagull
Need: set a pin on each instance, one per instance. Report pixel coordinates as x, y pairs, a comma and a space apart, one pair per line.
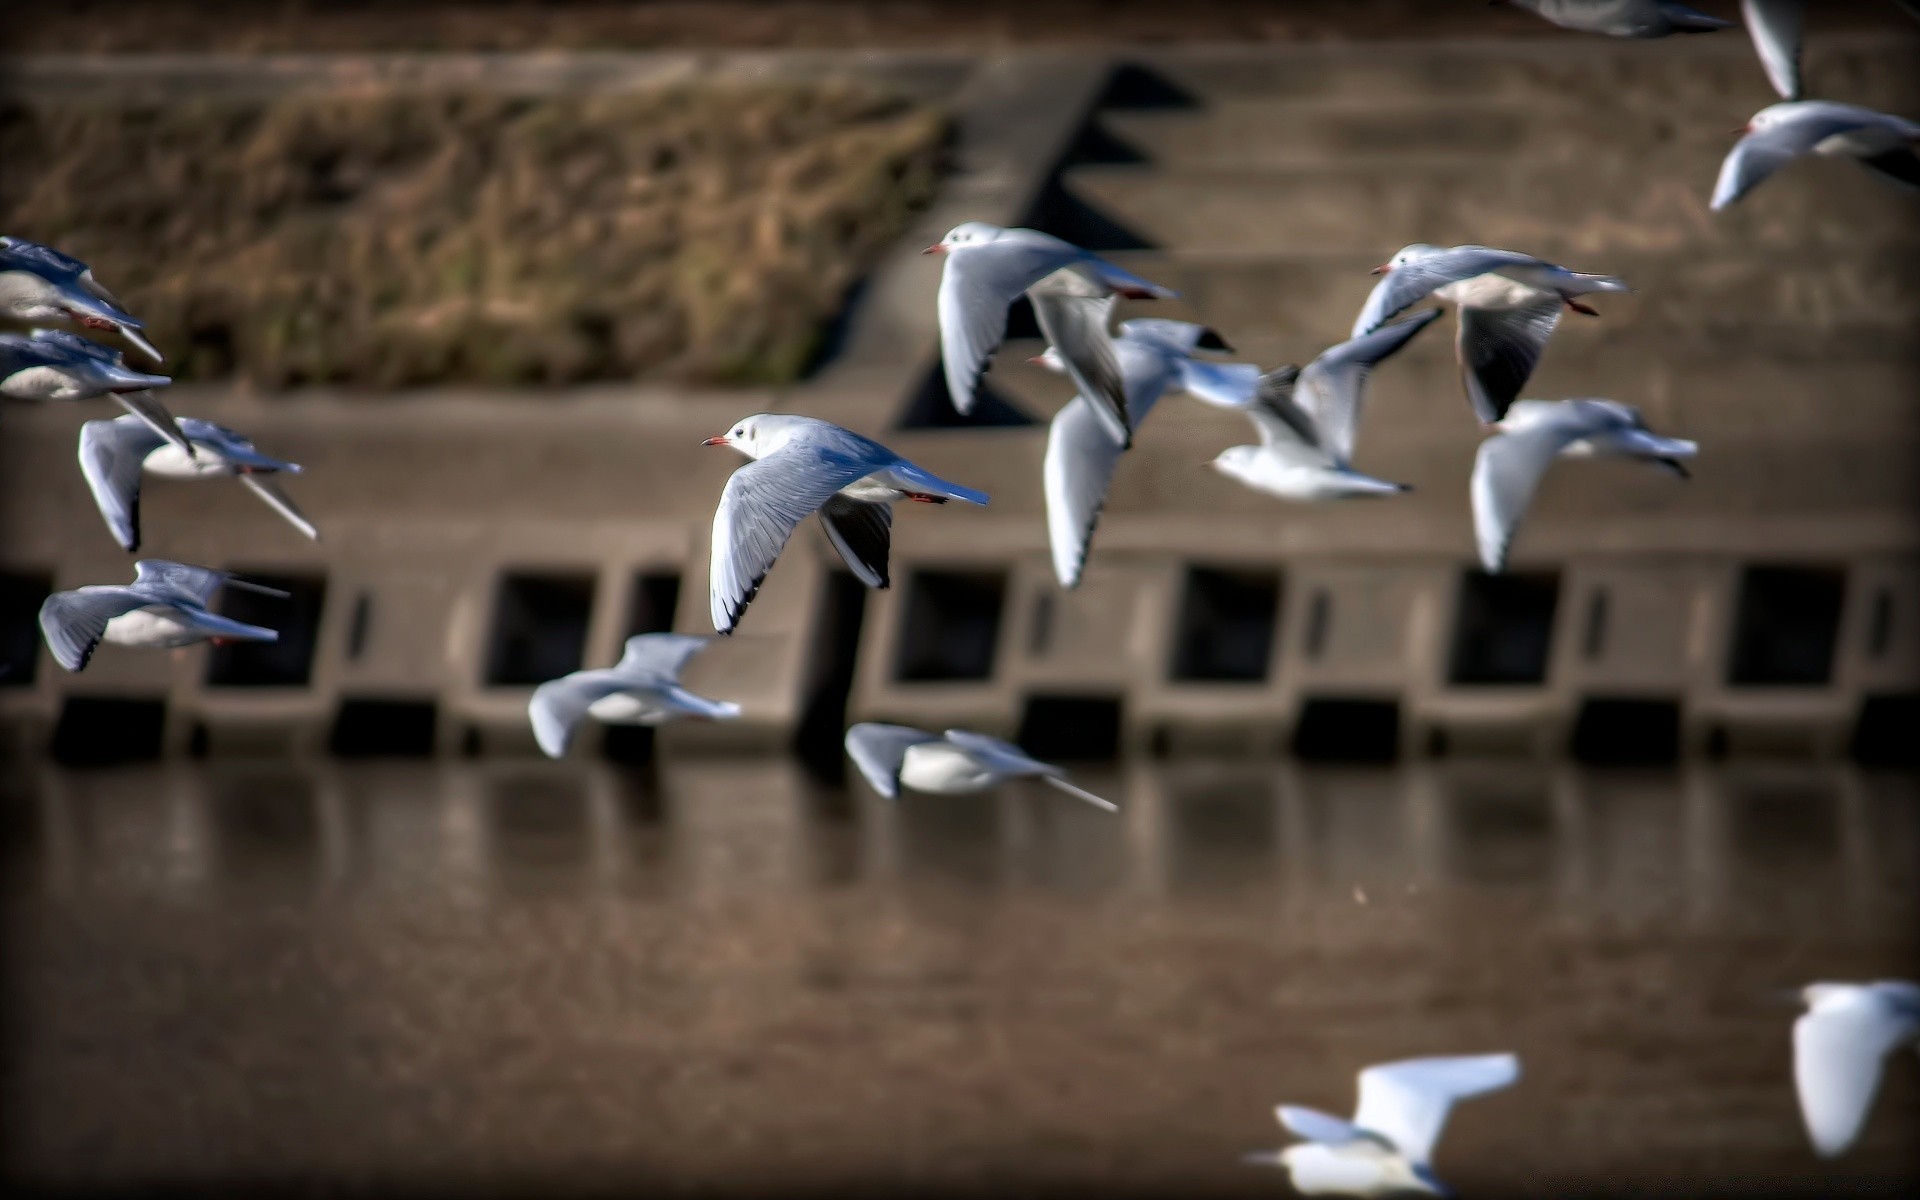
801, 466
950, 764
164, 606
1839, 1047
643, 688
1509, 305
53, 365
1073, 308
1887, 145
987, 268
1623, 18
1387, 1149
40, 284
1510, 464
114, 453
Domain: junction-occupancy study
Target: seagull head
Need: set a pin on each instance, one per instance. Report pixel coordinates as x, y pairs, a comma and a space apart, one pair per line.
1235, 462
1405, 255
756, 436
967, 233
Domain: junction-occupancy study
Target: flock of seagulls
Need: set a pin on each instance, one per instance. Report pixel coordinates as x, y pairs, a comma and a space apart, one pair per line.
1306, 421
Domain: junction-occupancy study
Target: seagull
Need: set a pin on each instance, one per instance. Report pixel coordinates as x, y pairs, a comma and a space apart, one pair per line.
803, 465
164, 606
1533, 433
1387, 1148
41, 284
1073, 308
987, 268
1082, 451
1839, 1046
1623, 18
113, 453
1307, 421
53, 365
643, 688
949, 764
1509, 304
1778, 30
1780, 133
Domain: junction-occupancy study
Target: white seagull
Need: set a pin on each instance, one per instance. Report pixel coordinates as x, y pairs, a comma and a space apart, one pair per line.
1082, 451
164, 606
1387, 1148
1509, 304
1839, 1047
803, 465
1510, 464
987, 268
114, 453
643, 688
1778, 30
51, 365
950, 764
1887, 145
1623, 18
1308, 420
39, 284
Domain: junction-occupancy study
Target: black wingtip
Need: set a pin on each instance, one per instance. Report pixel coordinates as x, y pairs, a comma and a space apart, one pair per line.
1210, 339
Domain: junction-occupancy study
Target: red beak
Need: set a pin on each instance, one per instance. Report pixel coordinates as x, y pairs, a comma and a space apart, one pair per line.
1038, 360
716, 441
1745, 129
1382, 269
936, 248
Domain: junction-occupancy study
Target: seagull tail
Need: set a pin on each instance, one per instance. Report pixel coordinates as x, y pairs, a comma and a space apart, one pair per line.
918, 480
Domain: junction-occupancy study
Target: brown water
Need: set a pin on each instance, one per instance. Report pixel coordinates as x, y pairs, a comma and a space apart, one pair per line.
724, 977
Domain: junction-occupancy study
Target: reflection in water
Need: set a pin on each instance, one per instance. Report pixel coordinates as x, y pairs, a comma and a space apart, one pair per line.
722, 972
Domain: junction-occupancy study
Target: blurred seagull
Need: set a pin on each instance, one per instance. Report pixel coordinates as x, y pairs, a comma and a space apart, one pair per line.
643, 688
1887, 145
1154, 355
53, 365
1510, 464
950, 764
801, 466
1839, 1046
164, 606
1387, 1148
988, 267
39, 284
113, 454
1307, 421
1623, 18
1509, 305
1778, 30
1073, 308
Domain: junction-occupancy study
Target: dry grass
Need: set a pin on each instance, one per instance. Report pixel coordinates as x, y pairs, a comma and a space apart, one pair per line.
703, 233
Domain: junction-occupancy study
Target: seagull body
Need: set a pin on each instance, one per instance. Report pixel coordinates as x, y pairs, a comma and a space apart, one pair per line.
643, 688
40, 284
988, 267
52, 366
1623, 18
165, 606
1387, 1148
114, 453
1082, 451
1510, 465
1509, 306
1840, 1045
1308, 420
803, 465
958, 762
1885, 144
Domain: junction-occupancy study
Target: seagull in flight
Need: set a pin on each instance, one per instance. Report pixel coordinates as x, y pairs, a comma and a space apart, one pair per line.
40, 284
52, 365
1623, 18
165, 606
1887, 145
643, 688
114, 453
950, 764
1840, 1045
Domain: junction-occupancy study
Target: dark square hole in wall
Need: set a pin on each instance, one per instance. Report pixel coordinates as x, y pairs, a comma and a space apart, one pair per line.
1347, 730
1888, 731
951, 630
21, 594
1624, 731
1226, 625
631, 745
817, 739
285, 662
539, 627
100, 731
1785, 626
1503, 629
656, 597
1071, 728
385, 728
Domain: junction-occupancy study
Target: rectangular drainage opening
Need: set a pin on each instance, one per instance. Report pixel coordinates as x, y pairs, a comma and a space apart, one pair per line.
21, 594
102, 731
1226, 625
1785, 626
1627, 731
656, 597
287, 662
951, 630
1884, 734
1503, 629
1071, 728
1347, 730
539, 627
386, 728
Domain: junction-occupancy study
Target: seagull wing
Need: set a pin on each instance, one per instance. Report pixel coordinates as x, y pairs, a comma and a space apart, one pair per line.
1506, 472
1760, 153
264, 487
976, 286
1837, 1058
74, 622
1325, 1128
162, 578
862, 531
1408, 1102
1333, 386
1413, 281
558, 706
1074, 313
1777, 28
659, 655
759, 509
879, 750
147, 406
1498, 349
1075, 474
112, 454
1008, 760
